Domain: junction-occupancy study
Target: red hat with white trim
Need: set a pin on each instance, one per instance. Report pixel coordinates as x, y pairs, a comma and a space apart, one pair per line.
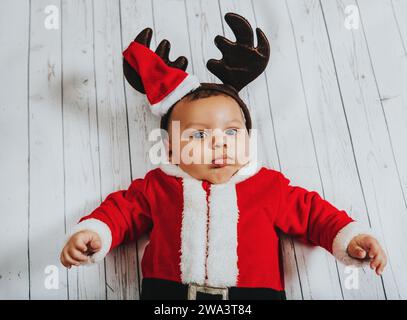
165, 82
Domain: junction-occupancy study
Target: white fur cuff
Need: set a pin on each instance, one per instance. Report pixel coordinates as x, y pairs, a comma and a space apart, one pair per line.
104, 233
342, 240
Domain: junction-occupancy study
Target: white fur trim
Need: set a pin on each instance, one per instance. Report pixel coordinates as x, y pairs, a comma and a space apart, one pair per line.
188, 84
342, 240
245, 172
174, 170
102, 230
222, 266
193, 232
210, 250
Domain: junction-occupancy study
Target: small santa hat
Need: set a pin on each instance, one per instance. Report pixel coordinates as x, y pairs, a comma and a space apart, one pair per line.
163, 84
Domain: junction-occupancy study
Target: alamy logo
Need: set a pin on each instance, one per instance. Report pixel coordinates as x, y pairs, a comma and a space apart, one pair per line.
51, 281
51, 21
352, 280
352, 17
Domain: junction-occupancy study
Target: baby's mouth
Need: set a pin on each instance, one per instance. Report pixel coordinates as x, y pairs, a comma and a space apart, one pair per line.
221, 162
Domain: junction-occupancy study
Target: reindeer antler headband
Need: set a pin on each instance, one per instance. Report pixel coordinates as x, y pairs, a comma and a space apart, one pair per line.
165, 82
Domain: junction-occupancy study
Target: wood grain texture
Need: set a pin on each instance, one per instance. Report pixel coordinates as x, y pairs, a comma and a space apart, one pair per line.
330, 110
81, 143
14, 154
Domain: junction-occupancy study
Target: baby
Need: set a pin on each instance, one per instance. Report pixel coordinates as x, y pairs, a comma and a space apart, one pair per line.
213, 214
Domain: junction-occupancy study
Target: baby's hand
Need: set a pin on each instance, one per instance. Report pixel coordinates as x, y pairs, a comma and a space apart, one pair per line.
364, 246
79, 247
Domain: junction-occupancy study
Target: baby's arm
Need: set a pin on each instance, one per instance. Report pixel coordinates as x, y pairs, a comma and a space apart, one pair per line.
123, 216
315, 221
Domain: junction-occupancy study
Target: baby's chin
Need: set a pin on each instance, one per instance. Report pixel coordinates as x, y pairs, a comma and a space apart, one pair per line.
213, 174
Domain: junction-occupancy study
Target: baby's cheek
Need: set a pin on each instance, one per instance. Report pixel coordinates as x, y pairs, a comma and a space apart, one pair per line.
175, 154
196, 152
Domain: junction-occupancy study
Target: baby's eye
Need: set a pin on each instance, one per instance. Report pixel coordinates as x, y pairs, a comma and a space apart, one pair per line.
231, 131
199, 134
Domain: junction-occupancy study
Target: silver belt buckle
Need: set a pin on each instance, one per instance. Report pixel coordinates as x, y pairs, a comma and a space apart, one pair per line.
193, 288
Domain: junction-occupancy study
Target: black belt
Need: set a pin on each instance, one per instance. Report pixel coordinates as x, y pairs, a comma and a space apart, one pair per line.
159, 289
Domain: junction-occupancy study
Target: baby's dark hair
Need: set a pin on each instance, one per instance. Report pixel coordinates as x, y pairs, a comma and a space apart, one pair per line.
202, 93
194, 95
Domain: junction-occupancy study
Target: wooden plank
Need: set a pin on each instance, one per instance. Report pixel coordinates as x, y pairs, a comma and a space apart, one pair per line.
47, 221
121, 264
296, 145
135, 16
339, 174
204, 24
387, 55
14, 267
173, 28
390, 66
82, 177
370, 138
399, 8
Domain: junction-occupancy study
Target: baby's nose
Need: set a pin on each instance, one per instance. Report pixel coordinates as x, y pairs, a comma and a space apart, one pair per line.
219, 140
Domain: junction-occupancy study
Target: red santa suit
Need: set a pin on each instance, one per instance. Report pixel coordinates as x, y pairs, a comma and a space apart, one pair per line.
220, 235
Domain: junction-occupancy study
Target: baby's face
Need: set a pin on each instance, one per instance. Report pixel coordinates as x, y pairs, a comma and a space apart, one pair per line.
212, 143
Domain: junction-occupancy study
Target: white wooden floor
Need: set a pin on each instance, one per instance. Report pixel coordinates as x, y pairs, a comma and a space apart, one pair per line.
331, 110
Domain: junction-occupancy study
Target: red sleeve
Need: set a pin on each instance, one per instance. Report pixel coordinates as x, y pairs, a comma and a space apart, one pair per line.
304, 214
126, 213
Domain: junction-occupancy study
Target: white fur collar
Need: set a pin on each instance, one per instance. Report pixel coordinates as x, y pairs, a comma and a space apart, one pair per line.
209, 229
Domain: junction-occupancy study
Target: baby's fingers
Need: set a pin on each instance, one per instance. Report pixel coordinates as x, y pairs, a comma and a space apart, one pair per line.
80, 243
356, 251
62, 258
78, 255
68, 261
381, 266
379, 262
374, 264
374, 249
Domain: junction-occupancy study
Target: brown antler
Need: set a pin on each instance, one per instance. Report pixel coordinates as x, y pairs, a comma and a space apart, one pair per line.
163, 50
241, 62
